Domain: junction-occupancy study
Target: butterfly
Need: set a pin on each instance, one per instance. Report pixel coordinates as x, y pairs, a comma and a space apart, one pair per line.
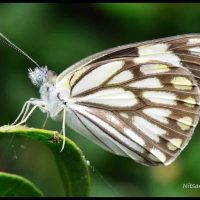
139, 100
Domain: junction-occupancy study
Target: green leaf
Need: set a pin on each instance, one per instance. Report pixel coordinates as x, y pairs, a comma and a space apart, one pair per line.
71, 162
17, 186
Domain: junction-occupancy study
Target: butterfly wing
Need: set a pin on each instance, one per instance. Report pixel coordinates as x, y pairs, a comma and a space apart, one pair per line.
139, 100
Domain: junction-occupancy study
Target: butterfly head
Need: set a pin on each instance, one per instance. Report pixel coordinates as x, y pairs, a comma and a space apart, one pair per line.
41, 75
45, 79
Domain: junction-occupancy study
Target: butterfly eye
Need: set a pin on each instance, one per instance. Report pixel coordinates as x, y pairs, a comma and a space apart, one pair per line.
39, 78
38, 75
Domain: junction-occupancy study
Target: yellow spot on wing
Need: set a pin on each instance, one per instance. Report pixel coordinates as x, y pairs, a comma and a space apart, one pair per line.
159, 154
171, 146
182, 83
190, 102
154, 68
177, 142
160, 67
174, 143
185, 123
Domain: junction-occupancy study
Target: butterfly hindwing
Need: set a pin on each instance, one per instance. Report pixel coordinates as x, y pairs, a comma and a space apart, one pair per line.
139, 100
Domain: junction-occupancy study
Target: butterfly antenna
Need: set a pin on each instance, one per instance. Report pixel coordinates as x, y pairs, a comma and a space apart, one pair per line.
9, 43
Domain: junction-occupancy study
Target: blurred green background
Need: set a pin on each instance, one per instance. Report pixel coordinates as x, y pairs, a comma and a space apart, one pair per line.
57, 35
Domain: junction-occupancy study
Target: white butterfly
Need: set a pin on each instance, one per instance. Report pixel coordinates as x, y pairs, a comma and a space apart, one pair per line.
139, 100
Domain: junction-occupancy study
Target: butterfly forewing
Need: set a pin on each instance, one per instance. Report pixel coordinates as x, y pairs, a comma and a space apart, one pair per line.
139, 100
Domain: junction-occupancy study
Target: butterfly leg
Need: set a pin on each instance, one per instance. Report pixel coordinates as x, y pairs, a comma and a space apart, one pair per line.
24, 110
45, 121
63, 128
27, 109
20, 114
26, 118
36, 103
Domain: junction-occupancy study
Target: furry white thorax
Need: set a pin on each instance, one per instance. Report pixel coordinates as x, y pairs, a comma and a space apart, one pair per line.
45, 79
53, 105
